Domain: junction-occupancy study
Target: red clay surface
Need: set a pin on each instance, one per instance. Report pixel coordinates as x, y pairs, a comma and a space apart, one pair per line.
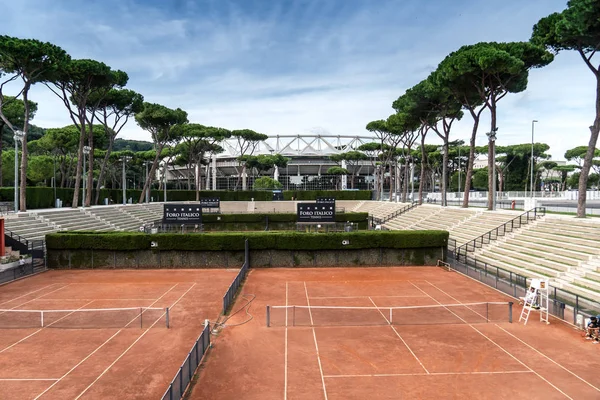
105, 363
495, 360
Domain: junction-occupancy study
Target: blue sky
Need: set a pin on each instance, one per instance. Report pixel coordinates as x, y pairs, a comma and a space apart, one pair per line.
297, 66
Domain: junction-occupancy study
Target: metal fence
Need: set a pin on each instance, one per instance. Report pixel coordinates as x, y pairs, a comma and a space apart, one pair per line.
562, 304
17, 272
33, 248
235, 285
184, 376
501, 230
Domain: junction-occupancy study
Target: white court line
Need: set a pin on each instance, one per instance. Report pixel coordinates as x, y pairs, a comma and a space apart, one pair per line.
136, 340
37, 298
77, 365
53, 299
430, 374
27, 294
92, 353
315, 338
460, 302
548, 358
39, 330
285, 356
27, 379
496, 344
357, 297
398, 334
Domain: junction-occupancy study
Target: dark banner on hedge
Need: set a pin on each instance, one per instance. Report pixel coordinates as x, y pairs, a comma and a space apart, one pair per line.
325, 200
313, 212
210, 202
182, 214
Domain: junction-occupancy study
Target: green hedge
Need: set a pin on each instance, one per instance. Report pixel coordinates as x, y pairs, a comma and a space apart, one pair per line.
232, 241
43, 197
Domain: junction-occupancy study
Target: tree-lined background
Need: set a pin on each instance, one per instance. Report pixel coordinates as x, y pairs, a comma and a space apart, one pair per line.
467, 83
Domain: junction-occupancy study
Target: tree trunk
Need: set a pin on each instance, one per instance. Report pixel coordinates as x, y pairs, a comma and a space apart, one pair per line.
23, 188
90, 167
423, 164
151, 173
79, 163
1, 148
469, 175
444, 172
103, 168
589, 155
491, 158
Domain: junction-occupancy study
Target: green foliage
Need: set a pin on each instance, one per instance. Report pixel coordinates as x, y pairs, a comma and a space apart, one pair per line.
337, 171
40, 168
234, 241
576, 28
266, 182
132, 145
480, 179
159, 121
14, 111
43, 197
32, 59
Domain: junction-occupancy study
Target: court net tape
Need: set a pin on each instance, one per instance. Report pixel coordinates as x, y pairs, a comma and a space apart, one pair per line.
86, 318
470, 313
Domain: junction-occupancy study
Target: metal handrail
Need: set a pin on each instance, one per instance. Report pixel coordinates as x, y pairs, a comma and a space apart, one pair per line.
395, 213
501, 230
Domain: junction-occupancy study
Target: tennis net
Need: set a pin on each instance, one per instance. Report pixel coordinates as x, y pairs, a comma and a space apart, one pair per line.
471, 313
134, 317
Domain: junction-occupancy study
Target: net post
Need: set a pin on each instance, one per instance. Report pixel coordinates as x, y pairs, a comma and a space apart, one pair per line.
391, 316
167, 316
487, 312
141, 321
268, 316
42, 318
510, 309
293, 315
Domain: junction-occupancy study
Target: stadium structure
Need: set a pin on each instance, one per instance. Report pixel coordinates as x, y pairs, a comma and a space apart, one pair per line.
309, 159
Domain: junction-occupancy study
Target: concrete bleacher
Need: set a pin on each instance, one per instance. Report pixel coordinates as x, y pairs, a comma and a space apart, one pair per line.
74, 220
28, 226
379, 209
117, 217
564, 249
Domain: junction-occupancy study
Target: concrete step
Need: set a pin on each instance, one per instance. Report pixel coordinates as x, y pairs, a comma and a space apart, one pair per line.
493, 259
509, 266
531, 259
524, 244
582, 291
582, 281
587, 246
541, 254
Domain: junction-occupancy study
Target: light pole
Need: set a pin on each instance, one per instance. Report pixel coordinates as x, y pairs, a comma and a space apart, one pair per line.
442, 151
54, 181
17, 137
459, 176
125, 159
86, 151
492, 142
532, 130
148, 188
165, 182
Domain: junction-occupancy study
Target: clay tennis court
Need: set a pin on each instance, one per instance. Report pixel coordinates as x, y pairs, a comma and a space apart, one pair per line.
98, 356
346, 354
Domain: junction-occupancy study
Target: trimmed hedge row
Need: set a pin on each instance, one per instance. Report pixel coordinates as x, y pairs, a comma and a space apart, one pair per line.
43, 197
234, 241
